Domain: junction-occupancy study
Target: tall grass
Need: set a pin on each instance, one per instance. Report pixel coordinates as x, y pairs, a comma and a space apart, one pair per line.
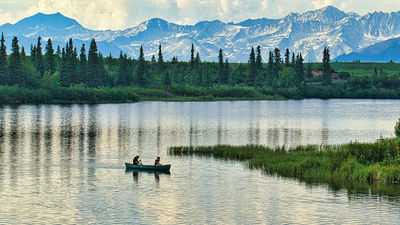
367, 162
76, 94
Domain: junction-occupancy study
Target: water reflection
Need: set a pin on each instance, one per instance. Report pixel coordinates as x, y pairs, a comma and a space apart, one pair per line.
136, 174
62, 159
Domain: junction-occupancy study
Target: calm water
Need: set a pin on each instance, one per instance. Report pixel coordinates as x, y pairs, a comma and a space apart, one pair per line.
65, 164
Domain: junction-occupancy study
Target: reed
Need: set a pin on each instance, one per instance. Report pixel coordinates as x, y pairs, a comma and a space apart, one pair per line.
367, 162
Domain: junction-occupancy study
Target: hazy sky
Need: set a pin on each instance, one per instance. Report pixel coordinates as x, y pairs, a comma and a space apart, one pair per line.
119, 14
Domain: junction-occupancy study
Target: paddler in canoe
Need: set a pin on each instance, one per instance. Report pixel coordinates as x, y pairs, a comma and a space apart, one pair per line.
157, 162
136, 161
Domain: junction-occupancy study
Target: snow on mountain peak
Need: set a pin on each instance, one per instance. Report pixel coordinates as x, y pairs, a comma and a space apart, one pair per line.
307, 32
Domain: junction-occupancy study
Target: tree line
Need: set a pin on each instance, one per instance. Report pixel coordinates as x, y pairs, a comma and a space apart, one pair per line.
282, 75
91, 69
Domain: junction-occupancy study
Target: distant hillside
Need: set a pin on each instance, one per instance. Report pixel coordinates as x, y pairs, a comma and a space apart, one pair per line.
380, 52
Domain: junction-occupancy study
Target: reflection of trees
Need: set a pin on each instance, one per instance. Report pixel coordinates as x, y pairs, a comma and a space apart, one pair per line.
2, 144
14, 144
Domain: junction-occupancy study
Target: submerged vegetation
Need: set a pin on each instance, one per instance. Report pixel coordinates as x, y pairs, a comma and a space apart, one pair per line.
367, 162
43, 77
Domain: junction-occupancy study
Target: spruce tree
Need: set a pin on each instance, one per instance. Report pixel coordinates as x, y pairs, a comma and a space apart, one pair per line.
64, 78
270, 69
277, 62
287, 57
141, 69
326, 71
122, 76
71, 55
14, 67
160, 59
259, 59
192, 56
83, 65
39, 58
309, 69
299, 71
23, 54
50, 61
197, 59
174, 60
227, 71
221, 69
252, 68
33, 53
293, 60
3, 62
153, 60
93, 65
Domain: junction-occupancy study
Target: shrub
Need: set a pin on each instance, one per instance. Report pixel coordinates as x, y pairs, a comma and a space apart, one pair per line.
397, 129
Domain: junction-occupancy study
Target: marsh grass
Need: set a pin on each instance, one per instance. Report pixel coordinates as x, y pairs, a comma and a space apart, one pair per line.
367, 162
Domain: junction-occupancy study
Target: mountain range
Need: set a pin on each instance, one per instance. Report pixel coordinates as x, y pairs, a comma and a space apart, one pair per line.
348, 35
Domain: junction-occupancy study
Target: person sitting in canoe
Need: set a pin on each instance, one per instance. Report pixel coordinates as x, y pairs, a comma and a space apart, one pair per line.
136, 161
157, 162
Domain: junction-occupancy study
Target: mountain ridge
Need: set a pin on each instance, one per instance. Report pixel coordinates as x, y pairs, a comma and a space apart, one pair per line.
307, 32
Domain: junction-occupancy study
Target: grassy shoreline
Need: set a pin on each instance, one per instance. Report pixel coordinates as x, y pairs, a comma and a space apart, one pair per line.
377, 162
208, 99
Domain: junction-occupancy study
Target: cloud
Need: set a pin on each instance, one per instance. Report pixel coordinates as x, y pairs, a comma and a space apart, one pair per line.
118, 14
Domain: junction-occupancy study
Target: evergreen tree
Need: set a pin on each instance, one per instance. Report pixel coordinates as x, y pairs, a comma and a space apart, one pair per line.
293, 60
160, 59
3, 62
50, 61
174, 60
227, 71
197, 59
83, 65
270, 69
33, 53
14, 67
326, 71
64, 78
277, 62
287, 57
192, 56
93, 66
299, 71
23, 54
141, 69
259, 58
153, 60
102, 79
122, 76
309, 69
252, 68
58, 52
222, 79
38, 57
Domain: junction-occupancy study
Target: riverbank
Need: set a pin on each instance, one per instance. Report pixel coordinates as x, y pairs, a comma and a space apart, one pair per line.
71, 95
377, 162
212, 99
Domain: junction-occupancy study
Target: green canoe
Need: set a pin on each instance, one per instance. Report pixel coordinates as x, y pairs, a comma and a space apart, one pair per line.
148, 167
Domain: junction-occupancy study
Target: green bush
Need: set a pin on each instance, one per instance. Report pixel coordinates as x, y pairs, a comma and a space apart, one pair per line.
397, 129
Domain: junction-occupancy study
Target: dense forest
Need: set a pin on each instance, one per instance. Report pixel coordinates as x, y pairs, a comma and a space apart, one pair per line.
64, 75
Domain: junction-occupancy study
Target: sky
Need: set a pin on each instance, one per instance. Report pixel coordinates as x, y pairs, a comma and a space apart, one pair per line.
120, 14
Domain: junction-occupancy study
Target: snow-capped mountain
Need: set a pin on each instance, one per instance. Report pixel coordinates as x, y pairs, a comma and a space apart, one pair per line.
307, 33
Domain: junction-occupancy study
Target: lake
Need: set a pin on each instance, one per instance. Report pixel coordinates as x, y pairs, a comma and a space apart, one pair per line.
65, 163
